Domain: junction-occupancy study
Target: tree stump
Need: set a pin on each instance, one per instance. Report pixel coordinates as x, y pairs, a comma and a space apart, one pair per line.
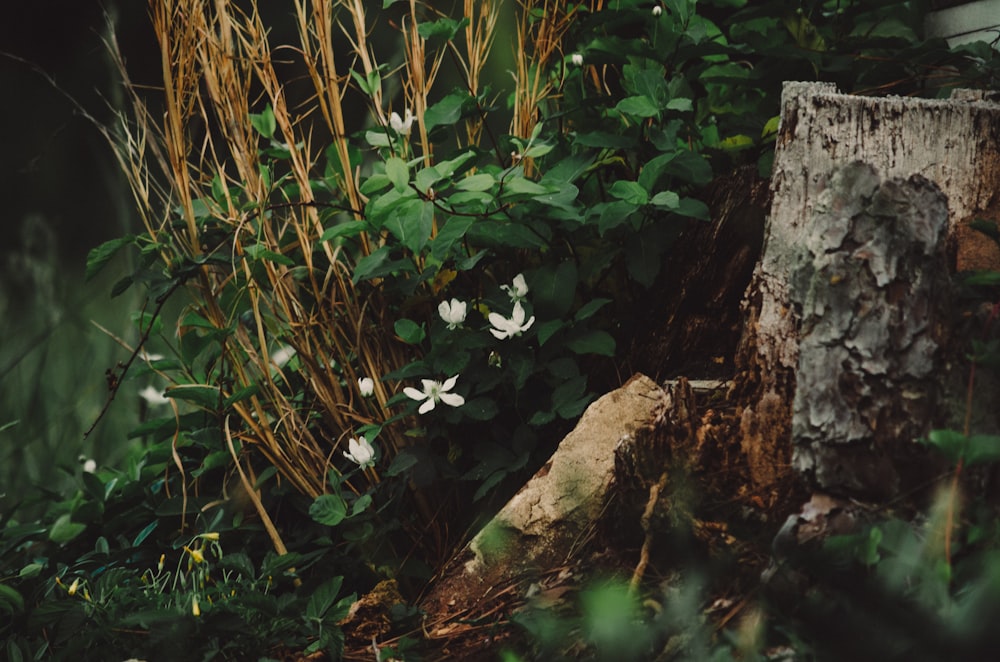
952, 143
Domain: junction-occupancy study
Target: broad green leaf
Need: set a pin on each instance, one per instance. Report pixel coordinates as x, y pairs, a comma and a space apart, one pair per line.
667, 199
264, 122
404, 460
443, 28
199, 394
369, 265
638, 106
549, 329
64, 529
594, 341
520, 186
11, 601
630, 192
323, 598
478, 182
693, 209
98, 257
409, 331
553, 288
346, 229
454, 230
587, 310
412, 222
328, 509
681, 104
447, 111
260, 252
398, 173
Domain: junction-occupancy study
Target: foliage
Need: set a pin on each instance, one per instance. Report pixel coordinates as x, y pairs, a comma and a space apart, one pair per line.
384, 316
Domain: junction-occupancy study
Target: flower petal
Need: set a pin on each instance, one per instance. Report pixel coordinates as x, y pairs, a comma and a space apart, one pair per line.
452, 399
414, 393
499, 335
449, 383
427, 406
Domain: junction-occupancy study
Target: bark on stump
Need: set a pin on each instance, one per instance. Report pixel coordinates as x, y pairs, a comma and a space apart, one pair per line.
951, 143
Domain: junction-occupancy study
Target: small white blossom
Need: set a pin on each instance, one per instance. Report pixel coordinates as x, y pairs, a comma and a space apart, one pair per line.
434, 392
282, 355
366, 385
361, 452
518, 290
153, 396
576, 59
453, 312
401, 126
90, 466
508, 328
657, 10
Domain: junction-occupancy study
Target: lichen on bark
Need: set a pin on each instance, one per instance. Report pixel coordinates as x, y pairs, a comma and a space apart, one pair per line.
870, 284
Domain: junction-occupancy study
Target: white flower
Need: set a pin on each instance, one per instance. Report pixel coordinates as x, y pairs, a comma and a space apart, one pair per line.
90, 466
434, 392
366, 385
657, 10
453, 312
153, 396
508, 328
282, 355
576, 59
518, 290
361, 452
401, 126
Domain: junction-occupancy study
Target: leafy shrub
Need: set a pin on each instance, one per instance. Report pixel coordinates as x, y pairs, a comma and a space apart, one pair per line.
366, 319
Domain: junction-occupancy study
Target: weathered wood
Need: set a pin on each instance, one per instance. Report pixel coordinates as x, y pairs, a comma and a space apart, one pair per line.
952, 143
871, 288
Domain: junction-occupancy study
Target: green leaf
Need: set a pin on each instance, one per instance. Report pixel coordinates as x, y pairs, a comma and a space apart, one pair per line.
264, 122
370, 264
409, 331
199, 394
260, 252
142, 535
638, 106
323, 598
404, 460
328, 509
478, 182
520, 186
454, 230
593, 341
443, 28
398, 173
680, 104
346, 229
412, 222
64, 529
588, 309
241, 395
982, 448
982, 278
667, 199
481, 409
950, 443
693, 209
98, 257
553, 288
11, 600
630, 192
447, 111
549, 329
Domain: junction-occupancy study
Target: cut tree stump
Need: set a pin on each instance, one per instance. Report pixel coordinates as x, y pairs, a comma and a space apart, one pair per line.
953, 143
